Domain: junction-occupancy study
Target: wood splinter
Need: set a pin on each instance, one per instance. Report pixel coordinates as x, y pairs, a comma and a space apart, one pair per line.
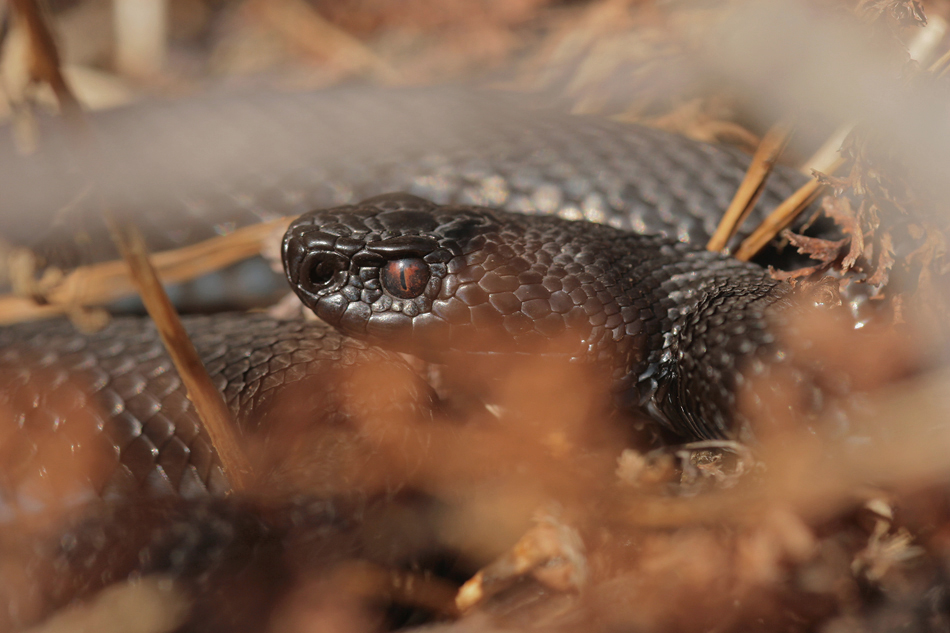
209, 403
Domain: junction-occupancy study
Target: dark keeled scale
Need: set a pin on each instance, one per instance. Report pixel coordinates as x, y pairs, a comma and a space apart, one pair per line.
192, 169
115, 397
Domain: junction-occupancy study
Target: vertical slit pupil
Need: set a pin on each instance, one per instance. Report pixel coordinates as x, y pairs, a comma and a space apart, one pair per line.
405, 278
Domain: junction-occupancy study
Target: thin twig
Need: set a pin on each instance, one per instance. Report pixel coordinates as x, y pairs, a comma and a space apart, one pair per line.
141, 34
46, 61
305, 28
752, 185
783, 215
100, 284
208, 401
940, 63
826, 158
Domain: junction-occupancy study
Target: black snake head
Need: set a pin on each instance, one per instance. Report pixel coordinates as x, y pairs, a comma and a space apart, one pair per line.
677, 327
376, 269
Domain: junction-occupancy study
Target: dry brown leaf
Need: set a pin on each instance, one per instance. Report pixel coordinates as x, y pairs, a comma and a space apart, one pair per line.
883, 262
839, 209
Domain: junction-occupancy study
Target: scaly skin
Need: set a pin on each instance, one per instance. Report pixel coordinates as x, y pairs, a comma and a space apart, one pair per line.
676, 324
190, 170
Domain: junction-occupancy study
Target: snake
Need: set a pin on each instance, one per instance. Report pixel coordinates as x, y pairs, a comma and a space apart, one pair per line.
511, 218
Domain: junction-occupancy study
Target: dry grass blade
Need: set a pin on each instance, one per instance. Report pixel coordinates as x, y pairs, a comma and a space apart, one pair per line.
552, 551
141, 36
781, 218
940, 66
145, 605
752, 185
826, 158
306, 29
209, 403
45, 63
103, 283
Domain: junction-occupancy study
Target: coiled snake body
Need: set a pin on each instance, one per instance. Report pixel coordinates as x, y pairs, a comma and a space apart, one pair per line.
674, 323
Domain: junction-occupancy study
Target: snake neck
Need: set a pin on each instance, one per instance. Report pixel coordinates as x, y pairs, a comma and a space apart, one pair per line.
723, 336
680, 327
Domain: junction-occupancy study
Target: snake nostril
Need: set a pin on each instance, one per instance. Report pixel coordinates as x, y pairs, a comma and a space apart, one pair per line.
321, 270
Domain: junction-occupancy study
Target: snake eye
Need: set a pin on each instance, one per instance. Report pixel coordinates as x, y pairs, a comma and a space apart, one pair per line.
322, 270
405, 278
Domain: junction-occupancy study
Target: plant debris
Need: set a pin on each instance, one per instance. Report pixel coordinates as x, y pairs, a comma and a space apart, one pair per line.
552, 515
